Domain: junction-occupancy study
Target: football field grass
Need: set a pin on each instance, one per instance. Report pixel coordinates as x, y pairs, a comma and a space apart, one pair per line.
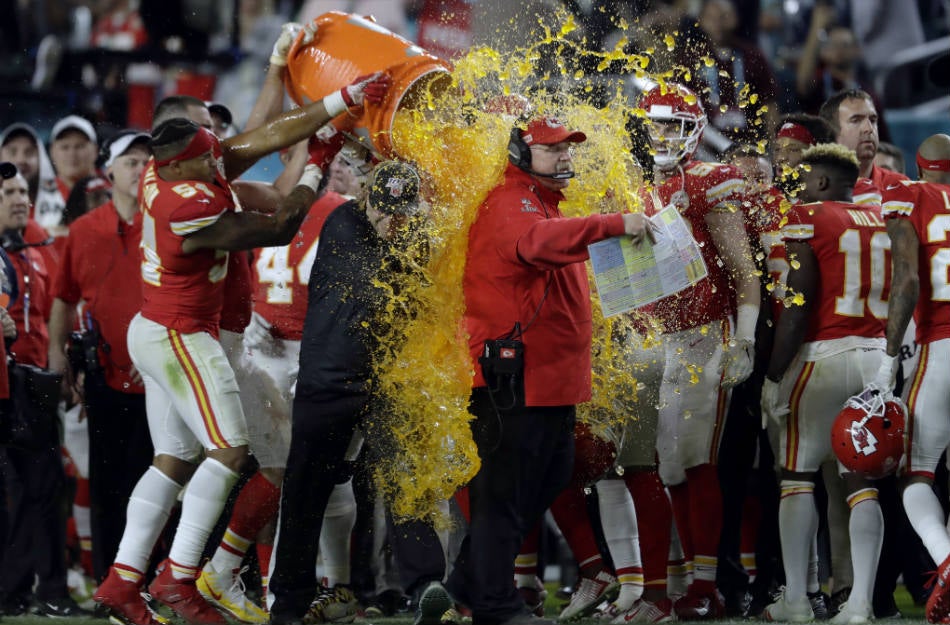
911, 615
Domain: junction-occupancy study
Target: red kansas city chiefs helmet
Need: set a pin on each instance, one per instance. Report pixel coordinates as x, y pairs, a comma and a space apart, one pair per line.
868, 434
593, 455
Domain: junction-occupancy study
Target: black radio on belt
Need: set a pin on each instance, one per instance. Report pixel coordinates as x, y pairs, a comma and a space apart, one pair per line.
503, 357
83, 352
502, 363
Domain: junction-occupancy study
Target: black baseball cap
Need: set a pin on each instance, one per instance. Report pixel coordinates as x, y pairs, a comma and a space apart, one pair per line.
394, 188
7, 170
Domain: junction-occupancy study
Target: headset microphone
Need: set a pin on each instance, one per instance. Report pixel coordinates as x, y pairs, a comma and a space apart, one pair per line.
563, 175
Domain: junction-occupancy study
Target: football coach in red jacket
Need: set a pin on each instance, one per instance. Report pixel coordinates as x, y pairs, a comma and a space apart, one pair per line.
528, 316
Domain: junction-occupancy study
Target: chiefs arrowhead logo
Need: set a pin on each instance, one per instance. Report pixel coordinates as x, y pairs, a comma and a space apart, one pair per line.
863, 439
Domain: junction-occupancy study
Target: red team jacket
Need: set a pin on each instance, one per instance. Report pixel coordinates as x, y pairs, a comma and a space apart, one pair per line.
520, 245
31, 308
101, 265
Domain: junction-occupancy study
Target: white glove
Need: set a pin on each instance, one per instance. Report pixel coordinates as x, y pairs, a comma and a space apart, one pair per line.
369, 88
311, 177
258, 332
309, 33
886, 378
739, 361
773, 409
288, 32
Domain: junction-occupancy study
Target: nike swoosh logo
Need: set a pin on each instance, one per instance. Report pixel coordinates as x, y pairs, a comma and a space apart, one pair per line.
891, 187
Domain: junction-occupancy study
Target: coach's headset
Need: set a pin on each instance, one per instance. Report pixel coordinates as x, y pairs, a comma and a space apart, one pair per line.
519, 154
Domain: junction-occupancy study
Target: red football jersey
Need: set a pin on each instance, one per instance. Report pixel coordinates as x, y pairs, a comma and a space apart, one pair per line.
927, 206
281, 274
700, 188
874, 191
853, 253
181, 291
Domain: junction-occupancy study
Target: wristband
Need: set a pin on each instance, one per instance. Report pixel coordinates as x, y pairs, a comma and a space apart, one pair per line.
746, 318
334, 104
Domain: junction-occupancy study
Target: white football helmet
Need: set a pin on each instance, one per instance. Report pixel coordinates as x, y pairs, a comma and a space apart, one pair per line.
665, 105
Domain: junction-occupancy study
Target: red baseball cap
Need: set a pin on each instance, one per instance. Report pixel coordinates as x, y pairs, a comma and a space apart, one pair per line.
550, 130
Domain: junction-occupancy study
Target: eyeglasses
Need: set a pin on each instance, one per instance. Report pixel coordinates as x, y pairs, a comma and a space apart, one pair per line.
559, 149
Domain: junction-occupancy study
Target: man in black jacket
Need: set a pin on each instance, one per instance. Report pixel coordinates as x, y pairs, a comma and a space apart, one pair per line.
335, 392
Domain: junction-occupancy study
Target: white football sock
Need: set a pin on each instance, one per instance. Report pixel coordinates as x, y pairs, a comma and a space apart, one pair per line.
798, 524
204, 500
866, 528
149, 506
926, 517
618, 518
338, 520
812, 584
838, 519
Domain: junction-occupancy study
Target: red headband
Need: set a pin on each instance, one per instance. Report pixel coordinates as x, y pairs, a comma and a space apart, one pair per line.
937, 165
202, 142
796, 132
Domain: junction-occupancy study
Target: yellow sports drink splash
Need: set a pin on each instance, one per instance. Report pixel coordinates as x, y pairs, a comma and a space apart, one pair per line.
457, 136
458, 139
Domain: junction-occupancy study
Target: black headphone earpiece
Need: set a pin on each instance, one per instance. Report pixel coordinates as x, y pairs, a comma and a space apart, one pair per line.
519, 153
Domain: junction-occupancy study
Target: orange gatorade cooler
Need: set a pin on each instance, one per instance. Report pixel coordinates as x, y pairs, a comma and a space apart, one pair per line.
348, 46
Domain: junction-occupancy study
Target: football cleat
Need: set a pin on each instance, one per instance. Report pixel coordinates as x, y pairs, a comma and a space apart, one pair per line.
534, 597
433, 603
643, 611
790, 611
676, 122
853, 613
332, 605
697, 606
868, 433
183, 598
938, 604
819, 605
590, 592
124, 601
225, 591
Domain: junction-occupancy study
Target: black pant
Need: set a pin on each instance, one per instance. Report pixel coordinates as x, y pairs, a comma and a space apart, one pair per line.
316, 463
120, 451
319, 439
36, 539
418, 553
527, 457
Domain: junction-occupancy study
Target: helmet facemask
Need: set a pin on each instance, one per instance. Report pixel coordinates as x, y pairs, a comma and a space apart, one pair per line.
674, 136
